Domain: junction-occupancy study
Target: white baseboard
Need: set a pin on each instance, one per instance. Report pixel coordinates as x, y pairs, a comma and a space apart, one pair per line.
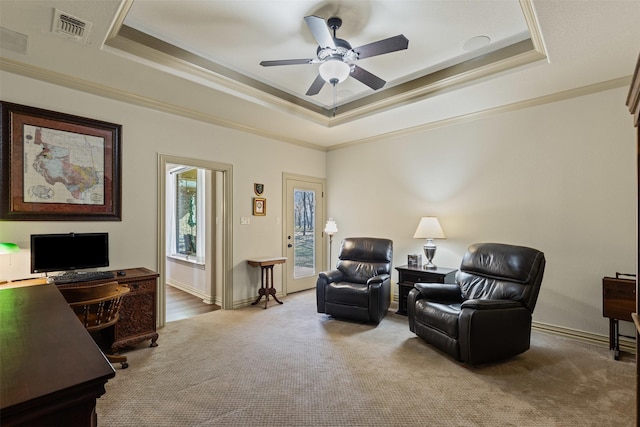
626, 344
207, 299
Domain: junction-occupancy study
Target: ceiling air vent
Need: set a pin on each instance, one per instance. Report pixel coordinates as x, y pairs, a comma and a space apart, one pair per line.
70, 26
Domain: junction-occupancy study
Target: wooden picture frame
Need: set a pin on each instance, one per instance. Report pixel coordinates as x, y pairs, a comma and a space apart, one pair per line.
58, 167
259, 206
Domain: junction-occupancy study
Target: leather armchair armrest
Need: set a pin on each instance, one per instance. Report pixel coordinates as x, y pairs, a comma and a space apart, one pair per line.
490, 304
379, 296
378, 279
331, 276
439, 292
413, 296
324, 278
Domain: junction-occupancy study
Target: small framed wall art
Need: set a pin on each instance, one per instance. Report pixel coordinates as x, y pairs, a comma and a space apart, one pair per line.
259, 206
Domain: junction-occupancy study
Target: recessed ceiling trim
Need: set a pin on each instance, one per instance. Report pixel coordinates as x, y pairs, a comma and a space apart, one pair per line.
531, 19
118, 21
142, 45
137, 43
516, 55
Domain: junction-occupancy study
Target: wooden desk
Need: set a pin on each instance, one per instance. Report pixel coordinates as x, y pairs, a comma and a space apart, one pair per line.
52, 371
618, 302
266, 270
22, 283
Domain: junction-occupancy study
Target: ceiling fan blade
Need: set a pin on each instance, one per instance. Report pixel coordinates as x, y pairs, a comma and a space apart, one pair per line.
392, 44
320, 31
371, 80
286, 62
315, 86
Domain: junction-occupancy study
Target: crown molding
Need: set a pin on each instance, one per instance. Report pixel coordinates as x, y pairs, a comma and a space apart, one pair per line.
59, 79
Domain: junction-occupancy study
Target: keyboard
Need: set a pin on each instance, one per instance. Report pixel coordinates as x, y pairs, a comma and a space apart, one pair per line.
81, 277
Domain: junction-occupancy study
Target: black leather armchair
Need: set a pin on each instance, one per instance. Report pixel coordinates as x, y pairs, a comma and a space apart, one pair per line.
486, 316
360, 288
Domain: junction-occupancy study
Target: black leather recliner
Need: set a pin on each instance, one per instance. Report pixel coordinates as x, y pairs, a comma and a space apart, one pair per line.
360, 288
486, 316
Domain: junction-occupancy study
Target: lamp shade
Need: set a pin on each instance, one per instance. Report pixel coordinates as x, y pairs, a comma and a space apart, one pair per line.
331, 228
429, 228
8, 248
334, 69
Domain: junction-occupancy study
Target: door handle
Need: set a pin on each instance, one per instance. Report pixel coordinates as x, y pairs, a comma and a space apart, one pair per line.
289, 245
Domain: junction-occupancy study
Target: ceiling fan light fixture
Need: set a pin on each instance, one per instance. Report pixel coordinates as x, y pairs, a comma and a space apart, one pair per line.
334, 69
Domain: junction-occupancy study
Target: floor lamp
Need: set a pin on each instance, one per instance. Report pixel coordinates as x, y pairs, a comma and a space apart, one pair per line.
331, 228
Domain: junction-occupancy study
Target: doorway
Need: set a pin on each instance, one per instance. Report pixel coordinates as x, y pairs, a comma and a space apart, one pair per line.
219, 251
304, 214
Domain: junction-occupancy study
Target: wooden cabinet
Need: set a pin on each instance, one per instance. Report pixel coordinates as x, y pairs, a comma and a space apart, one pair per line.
407, 276
138, 314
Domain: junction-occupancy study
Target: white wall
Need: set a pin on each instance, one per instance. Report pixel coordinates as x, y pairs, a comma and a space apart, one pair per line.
558, 177
133, 241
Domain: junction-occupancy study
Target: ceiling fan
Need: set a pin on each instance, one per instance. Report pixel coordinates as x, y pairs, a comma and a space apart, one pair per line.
337, 58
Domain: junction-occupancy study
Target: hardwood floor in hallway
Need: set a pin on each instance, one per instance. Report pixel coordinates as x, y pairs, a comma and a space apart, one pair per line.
181, 305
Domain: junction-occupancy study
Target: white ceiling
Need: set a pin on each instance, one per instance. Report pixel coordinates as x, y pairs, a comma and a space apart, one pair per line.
240, 34
201, 58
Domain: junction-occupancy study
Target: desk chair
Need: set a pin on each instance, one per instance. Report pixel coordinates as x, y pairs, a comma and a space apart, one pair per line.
97, 307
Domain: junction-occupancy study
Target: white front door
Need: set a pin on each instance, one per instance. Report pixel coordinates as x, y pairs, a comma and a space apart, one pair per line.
303, 220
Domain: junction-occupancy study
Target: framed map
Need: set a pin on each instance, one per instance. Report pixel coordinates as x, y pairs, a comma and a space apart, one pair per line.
58, 167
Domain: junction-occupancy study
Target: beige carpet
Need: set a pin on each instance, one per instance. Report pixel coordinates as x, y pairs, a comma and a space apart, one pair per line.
290, 366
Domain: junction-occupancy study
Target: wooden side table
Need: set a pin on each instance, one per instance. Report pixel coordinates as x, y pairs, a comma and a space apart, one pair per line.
618, 303
407, 276
266, 270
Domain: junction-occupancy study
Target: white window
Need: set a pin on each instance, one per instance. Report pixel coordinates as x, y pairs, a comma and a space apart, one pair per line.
185, 216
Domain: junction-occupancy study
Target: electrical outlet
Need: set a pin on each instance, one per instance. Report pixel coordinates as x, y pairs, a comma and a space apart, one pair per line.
245, 221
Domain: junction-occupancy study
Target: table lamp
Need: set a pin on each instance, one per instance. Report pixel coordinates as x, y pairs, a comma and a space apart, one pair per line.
7, 248
331, 228
429, 228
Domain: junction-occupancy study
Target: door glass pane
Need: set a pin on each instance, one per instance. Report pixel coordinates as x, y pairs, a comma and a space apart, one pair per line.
304, 236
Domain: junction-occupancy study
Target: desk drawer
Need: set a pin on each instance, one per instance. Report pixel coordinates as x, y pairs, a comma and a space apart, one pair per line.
411, 278
141, 286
